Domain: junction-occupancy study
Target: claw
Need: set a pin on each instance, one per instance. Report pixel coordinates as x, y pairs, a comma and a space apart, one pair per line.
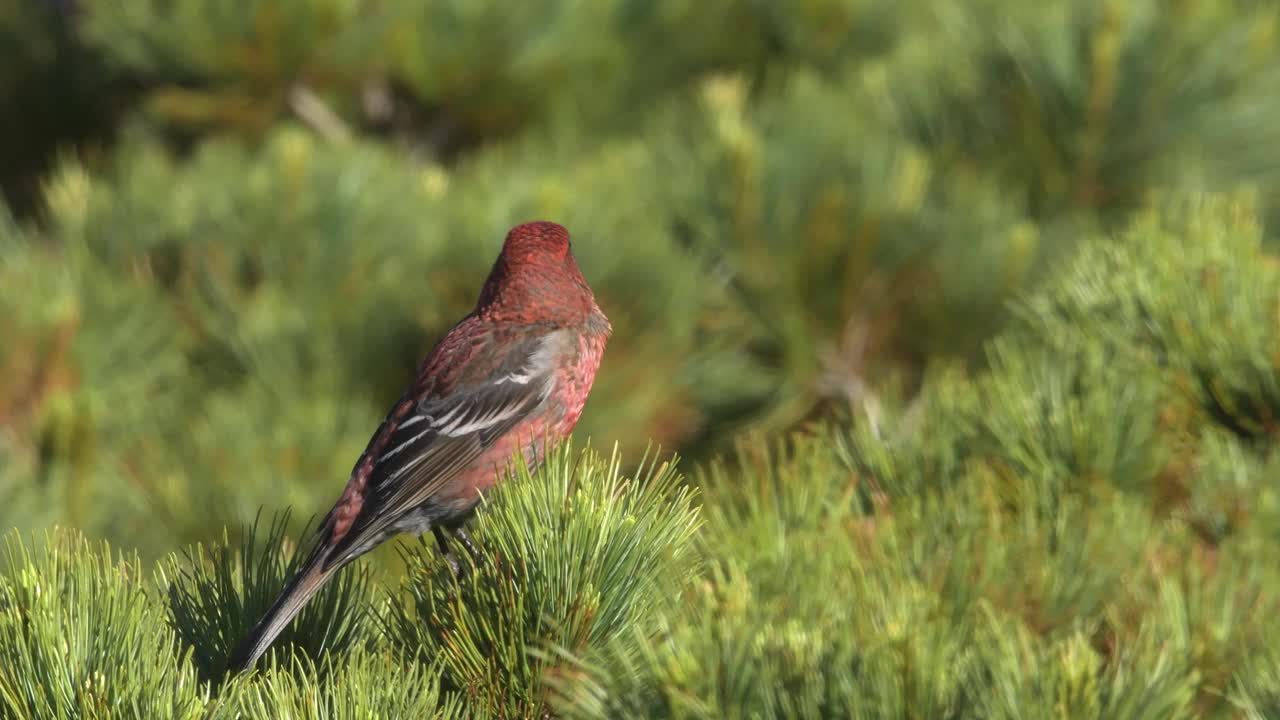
470, 546
448, 555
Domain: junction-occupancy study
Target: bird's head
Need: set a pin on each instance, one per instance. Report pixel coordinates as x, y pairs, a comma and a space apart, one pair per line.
537, 277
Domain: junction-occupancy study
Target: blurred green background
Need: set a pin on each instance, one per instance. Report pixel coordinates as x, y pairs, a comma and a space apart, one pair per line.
234, 228
230, 230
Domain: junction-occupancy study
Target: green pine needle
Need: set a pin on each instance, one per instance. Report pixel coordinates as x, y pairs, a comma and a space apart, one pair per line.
81, 636
216, 595
572, 558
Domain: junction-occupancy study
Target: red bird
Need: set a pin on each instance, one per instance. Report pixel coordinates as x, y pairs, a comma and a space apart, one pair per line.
512, 375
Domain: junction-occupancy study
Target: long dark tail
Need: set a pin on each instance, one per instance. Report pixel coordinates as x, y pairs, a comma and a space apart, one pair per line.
304, 584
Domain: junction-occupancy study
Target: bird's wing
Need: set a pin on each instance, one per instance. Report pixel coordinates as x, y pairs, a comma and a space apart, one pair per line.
417, 452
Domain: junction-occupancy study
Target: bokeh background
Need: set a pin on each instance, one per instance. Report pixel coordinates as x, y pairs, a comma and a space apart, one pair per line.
230, 230
234, 228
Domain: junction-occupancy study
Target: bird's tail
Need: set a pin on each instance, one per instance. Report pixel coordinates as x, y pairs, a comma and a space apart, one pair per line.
304, 584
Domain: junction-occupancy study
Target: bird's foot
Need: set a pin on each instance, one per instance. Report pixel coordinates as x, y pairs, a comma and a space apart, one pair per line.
470, 546
454, 566
448, 555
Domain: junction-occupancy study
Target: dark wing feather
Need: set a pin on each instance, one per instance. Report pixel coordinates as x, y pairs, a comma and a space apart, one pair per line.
441, 436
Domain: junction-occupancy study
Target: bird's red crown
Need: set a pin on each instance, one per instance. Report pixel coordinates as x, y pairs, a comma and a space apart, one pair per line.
535, 241
536, 276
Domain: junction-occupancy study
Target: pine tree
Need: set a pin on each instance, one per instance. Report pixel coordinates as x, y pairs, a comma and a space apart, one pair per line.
960, 317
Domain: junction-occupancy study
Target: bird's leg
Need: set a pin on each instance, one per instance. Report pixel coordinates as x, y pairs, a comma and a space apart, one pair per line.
444, 549
461, 534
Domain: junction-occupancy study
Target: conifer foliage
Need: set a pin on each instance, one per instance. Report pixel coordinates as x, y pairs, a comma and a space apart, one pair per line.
962, 318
